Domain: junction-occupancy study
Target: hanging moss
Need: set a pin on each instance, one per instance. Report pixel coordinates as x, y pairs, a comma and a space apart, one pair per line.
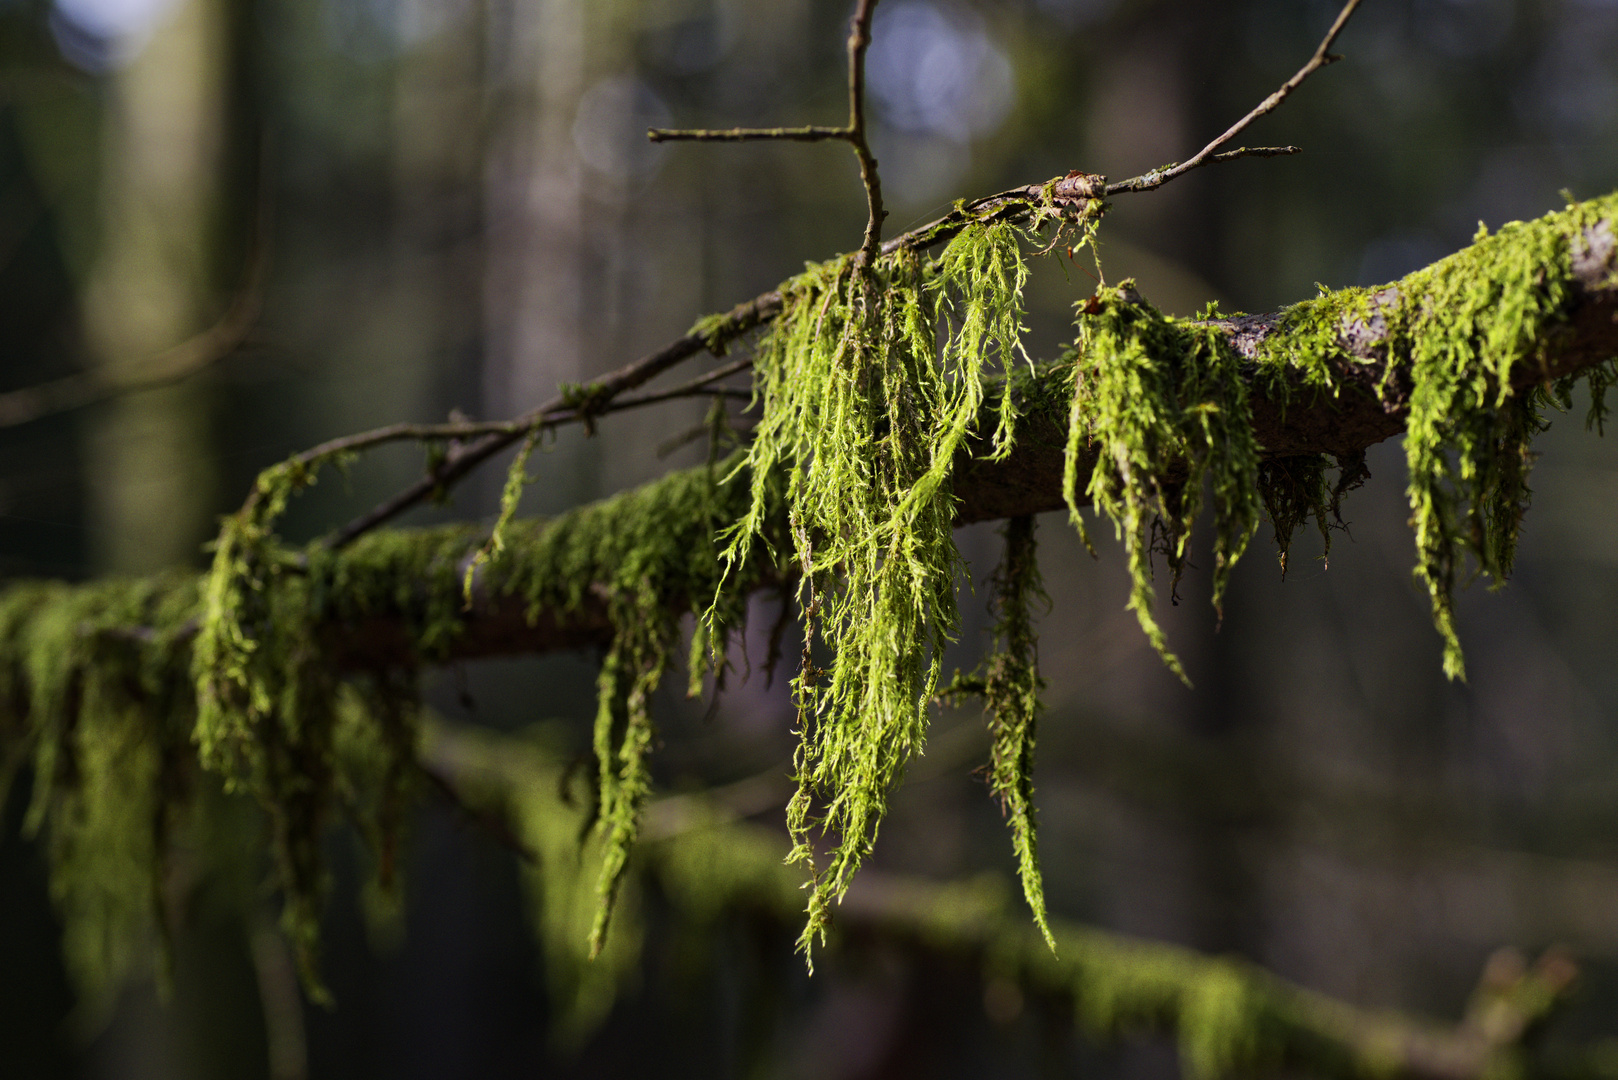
510, 496
870, 383
1011, 694
107, 714
1294, 489
525, 779
1467, 324
647, 556
1161, 404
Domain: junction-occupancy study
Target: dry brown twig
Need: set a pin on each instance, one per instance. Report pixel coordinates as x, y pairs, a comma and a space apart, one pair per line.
1323, 56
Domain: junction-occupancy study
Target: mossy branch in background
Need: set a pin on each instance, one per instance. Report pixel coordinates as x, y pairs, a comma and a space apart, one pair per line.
1227, 1018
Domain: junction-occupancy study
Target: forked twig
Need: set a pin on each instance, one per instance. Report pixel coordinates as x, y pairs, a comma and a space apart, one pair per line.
853, 133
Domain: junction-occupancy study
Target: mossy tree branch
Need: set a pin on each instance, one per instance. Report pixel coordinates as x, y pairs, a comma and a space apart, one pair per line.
1290, 418
1227, 1016
293, 636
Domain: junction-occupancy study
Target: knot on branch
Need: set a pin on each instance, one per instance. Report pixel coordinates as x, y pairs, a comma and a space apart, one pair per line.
1079, 186
586, 400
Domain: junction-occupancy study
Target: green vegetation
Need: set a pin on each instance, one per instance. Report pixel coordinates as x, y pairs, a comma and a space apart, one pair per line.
873, 384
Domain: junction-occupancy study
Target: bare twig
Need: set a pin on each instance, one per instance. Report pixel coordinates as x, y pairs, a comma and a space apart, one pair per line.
807, 133
550, 418
171, 365
859, 40
1322, 57
463, 459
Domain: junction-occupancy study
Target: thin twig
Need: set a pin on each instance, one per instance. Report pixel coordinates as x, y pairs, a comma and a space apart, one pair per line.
807, 133
463, 459
859, 40
555, 416
171, 365
695, 388
1322, 57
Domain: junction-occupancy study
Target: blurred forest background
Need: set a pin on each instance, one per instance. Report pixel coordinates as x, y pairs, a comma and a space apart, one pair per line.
416, 206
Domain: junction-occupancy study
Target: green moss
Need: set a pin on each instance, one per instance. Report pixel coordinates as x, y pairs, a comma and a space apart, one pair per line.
1306, 339
1011, 694
869, 385
646, 556
510, 496
106, 714
1469, 323
1294, 489
277, 719
549, 807
1161, 405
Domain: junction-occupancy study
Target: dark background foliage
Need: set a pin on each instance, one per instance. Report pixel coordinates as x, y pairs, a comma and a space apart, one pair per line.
456, 210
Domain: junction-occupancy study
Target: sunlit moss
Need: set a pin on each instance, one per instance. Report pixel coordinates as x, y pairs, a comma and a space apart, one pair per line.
107, 714
1012, 687
870, 384
1161, 404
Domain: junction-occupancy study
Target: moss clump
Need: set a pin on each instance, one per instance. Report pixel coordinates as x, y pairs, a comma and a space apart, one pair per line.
1471, 324
272, 698
1011, 694
871, 382
646, 557
92, 681
1161, 404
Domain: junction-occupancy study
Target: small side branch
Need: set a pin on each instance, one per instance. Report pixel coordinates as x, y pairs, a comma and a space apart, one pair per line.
859, 40
807, 133
1322, 57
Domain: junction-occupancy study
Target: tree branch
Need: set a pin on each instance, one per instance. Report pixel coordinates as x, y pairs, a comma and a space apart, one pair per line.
1075, 190
1229, 1016
1288, 419
1322, 57
859, 40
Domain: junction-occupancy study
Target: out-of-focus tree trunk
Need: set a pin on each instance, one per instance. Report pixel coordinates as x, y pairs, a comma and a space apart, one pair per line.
155, 284
534, 296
